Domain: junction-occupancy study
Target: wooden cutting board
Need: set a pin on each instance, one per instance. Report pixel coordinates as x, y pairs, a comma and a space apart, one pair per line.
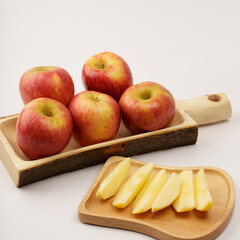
165, 224
183, 130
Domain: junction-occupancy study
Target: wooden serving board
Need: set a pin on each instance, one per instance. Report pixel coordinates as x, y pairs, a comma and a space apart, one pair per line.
165, 224
183, 130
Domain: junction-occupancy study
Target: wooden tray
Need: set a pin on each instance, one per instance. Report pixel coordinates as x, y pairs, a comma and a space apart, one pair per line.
183, 130
167, 223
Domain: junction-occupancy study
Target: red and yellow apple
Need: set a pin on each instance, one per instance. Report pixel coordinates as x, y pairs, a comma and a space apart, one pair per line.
44, 127
108, 73
146, 106
96, 117
49, 81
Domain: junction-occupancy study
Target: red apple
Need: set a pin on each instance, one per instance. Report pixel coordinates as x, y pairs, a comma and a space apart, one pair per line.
146, 106
44, 128
50, 82
96, 117
108, 73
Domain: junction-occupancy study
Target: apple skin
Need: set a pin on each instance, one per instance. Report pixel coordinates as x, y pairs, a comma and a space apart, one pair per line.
107, 73
46, 81
44, 128
96, 117
146, 106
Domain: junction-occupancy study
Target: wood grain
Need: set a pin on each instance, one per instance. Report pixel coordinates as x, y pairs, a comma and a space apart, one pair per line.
167, 223
183, 130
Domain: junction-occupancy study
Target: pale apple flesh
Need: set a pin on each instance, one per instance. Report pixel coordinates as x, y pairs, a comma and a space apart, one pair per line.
114, 180
46, 81
185, 201
203, 199
132, 186
96, 117
44, 127
168, 194
157, 192
149, 192
146, 106
108, 73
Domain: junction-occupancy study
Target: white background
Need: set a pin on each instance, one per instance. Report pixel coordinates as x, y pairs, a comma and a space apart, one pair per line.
190, 47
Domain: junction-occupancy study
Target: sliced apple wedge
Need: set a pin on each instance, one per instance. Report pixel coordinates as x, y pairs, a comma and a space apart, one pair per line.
132, 186
168, 194
114, 180
203, 199
149, 192
185, 201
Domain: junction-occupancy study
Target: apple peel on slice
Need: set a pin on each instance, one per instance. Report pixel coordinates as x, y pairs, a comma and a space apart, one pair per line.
203, 199
132, 186
168, 194
149, 192
111, 184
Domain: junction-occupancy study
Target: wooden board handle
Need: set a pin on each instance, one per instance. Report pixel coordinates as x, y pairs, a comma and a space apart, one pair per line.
208, 108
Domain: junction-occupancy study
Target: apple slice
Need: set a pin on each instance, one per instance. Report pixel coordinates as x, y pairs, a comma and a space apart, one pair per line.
132, 186
149, 192
168, 194
114, 180
203, 199
185, 201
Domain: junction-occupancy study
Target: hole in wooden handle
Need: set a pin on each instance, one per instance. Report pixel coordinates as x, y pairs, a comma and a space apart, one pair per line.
214, 98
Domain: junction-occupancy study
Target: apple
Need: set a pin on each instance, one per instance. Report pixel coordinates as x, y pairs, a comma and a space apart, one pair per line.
144, 200
202, 195
49, 81
146, 106
168, 193
132, 186
44, 127
96, 117
108, 73
185, 200
111, 184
